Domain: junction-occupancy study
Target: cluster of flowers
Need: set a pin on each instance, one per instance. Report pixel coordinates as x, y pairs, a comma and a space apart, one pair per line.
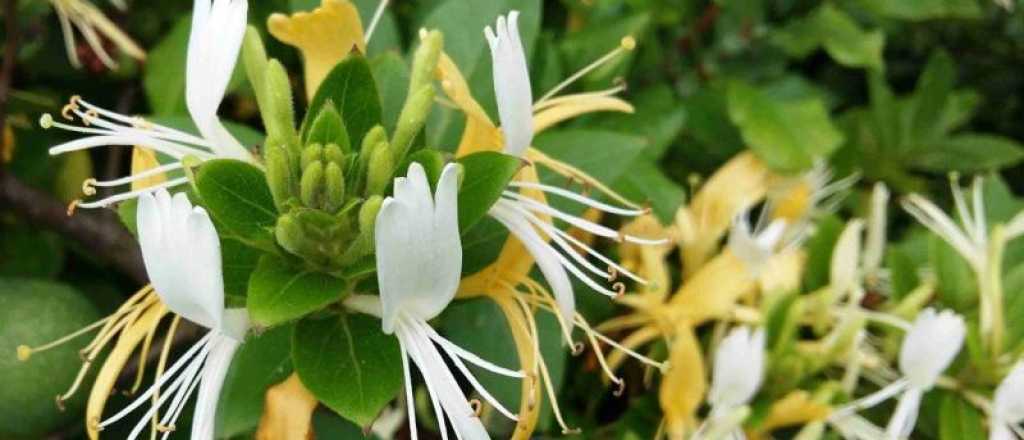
419, 259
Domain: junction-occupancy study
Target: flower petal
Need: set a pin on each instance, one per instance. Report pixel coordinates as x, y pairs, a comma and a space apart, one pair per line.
214, 372
511, 83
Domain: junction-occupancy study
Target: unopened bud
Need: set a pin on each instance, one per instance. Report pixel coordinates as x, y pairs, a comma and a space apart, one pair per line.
290, 235
425, 59
311, 187
334, 154
378, 173
373, 137
368, 214
312, 153
411, 120
328, 127
278, 108
335, 193
254, 56
280, 175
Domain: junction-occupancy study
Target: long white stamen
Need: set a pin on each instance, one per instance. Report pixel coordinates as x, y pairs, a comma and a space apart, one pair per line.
404, 332
626, 44
376, 19
577, 96
456, 356
180, 399
961, 207
133, 194
980, 222
579, 198
469, 356
410, 401
202, 346
933, 218
95, 43
174, 389
870, 400
137, 176
598, 255
136, 121
542, 208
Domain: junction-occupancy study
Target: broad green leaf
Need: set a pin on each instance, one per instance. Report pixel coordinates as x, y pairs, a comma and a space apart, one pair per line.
787, 134
237, 196
970, 152
351, 87
486, 175
329, 128
919, 10
931, 95
481, 244
957, 286
279, 293
392, 75
645, 182
348, 363
1013, 299
819, 252
238, 260
846, 42
903, 276
958, 419
479, 326
262, 361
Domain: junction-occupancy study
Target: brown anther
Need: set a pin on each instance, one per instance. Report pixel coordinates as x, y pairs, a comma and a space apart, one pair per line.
620, 289
60, 403
622, 388
577, 348
72, 206
478, 408
613, 274
525, 163
89, 116
66, 111
621, 237
164, 428
87, 187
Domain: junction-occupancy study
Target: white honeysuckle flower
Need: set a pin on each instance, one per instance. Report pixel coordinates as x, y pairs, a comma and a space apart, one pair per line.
844, 272
878, 219
929, 347
756, 245
511, 84
181, 252
419, 264
739, 369
217, 32
970, 238
556, 252
738, 373
1008, 406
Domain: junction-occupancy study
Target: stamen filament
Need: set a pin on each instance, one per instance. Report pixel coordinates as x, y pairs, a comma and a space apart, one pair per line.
102, 203
625, 45
579, 198
376, 19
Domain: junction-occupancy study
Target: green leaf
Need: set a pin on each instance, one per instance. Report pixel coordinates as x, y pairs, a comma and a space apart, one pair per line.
903, 272
351, 87
392, 75
957, 286
329, 128
1013, 286
819, 252
262, 361
349, 364
928, 105
237, 196
788, 134
486, 175
846, 42
646, 182
970, 152
238, 261
958, 419
918, 10
279, 293
481, 244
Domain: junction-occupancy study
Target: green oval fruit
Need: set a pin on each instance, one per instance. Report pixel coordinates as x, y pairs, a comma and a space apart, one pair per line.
33, 313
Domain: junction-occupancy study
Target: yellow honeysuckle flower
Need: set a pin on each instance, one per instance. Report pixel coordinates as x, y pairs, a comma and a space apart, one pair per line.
325, 36
92, 24
684, 384
288, 412
796, 408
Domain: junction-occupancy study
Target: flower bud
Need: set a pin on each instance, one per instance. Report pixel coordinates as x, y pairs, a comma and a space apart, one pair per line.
278, 108
311, 187
368, 214
381, 166
334, 154
335, 192
373, 137
425, 59
280, 175
411, 120
290, 235
312, 153
254, 56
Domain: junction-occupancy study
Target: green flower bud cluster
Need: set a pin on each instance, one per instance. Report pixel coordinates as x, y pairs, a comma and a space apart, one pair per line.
328, 189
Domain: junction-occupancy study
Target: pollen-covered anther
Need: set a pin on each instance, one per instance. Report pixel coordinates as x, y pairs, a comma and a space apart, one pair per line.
621, 387
59, 401
165, 428
72, 206
88, 187
477, 406
67, 112
620, 289
613, 274
90, 116
577, 348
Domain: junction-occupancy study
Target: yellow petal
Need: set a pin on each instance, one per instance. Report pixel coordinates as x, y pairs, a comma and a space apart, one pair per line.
783, 272
648, 261
325, 36
736, 186
287, 411
530, 397
130, 338
713, 291
792, 202
480, 133
144, 159
571, 106
796, 408
683, 386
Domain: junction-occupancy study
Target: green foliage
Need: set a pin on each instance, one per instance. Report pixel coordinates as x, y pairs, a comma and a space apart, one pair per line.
348, 363
349, 86
279, 292
486, 174
237, 196
261, 362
